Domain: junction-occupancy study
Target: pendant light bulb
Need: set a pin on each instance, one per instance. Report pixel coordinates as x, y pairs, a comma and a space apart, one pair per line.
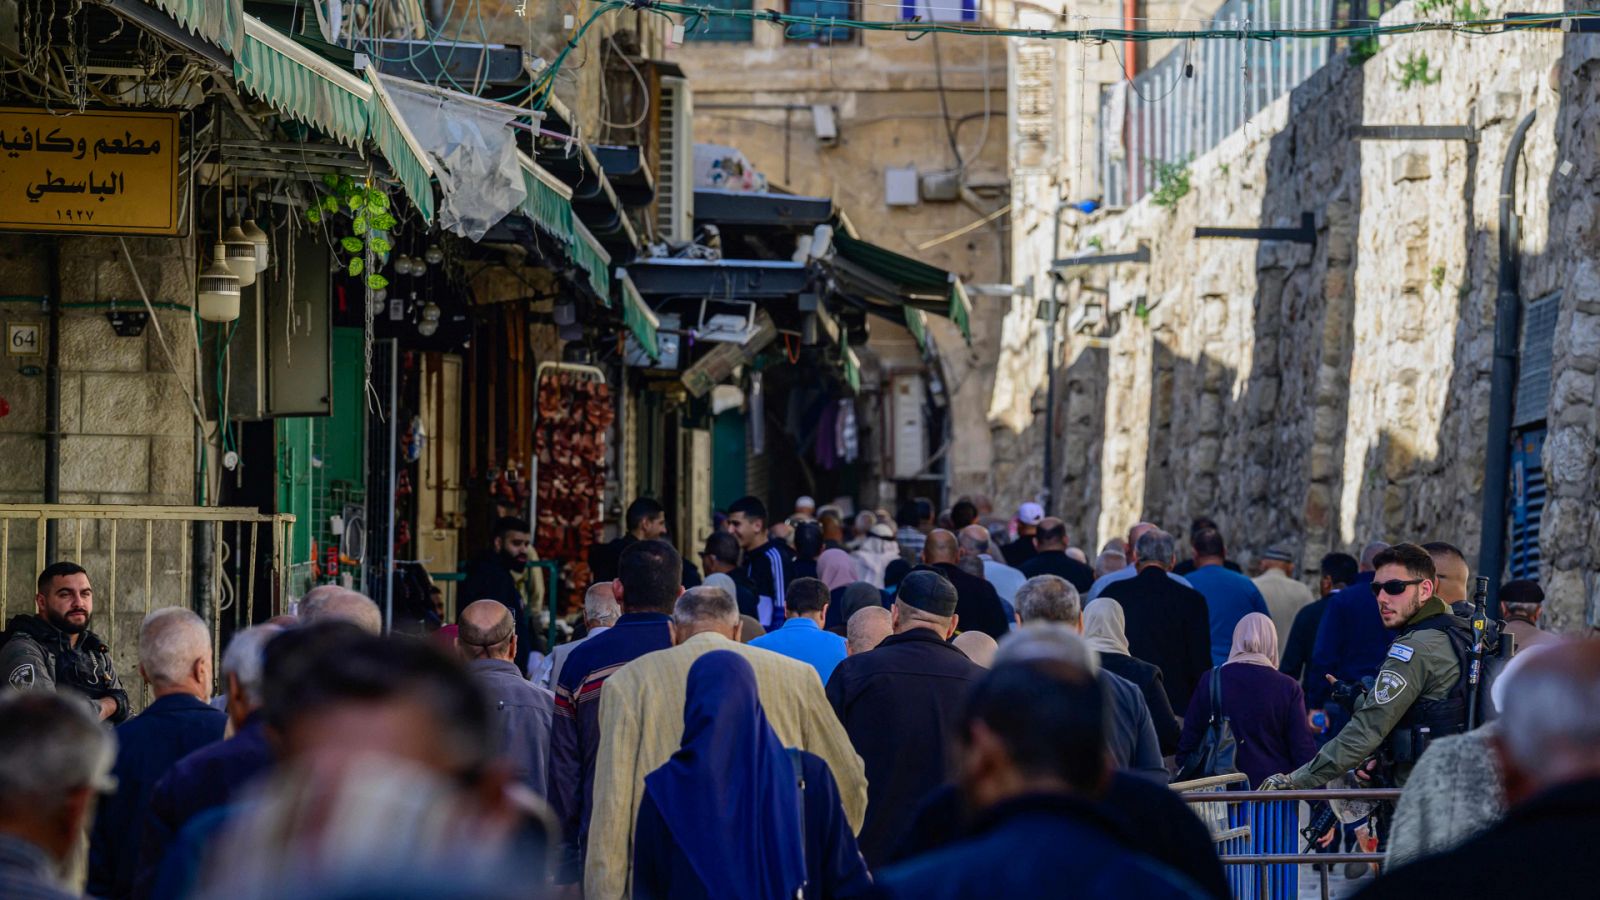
433, 255
217, 289
241, 255
261, 240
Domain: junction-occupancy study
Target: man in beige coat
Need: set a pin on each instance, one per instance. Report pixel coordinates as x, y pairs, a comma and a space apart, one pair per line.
641, 725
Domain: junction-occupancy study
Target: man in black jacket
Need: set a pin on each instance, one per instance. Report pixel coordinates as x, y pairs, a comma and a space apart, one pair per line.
55, 649
1167, 624
768, 563
496, 575
900, 703
977, 602
1548, 744
1051, 557
645, 520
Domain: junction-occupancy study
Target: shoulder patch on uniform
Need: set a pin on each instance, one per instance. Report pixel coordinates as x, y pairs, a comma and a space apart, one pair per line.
22, 676
1401, 652
1390, 684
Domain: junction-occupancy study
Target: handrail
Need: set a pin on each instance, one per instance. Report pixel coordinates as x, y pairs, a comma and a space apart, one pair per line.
1308, 796
1211, 781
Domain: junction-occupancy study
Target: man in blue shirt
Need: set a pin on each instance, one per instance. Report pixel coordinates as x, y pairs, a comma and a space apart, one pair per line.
801, 636
1229, 595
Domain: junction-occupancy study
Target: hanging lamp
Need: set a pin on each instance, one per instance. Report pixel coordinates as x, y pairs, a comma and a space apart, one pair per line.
218, 289
262, 241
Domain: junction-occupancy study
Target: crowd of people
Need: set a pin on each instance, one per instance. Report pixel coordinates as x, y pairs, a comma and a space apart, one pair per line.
942, 703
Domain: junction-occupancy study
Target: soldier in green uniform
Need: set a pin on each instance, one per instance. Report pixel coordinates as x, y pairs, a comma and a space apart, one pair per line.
1420, 691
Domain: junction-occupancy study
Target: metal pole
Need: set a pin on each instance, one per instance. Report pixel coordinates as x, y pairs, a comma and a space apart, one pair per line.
394, 472
1052, 308
1503, 376
52, 396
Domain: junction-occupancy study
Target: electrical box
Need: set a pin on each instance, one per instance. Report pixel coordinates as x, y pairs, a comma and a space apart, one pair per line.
900, 186
941, 187
908, 427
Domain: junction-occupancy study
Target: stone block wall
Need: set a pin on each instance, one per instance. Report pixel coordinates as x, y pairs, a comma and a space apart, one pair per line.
1338, 392
127, 429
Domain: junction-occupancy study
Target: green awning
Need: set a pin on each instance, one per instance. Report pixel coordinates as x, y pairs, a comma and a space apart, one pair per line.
917, 324
219, 21
589, 256
400, 148
852, 369
640, 318
301, 84
894, 277
549, 202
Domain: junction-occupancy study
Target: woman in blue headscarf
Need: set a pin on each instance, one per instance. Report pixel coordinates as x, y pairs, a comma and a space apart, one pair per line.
736, 816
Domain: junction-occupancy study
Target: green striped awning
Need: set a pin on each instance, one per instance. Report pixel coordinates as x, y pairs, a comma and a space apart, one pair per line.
219, 21
960, 307
852, 369
399, 146
917, 324
894, 277
638, 315
587, 253
549, 202
301, 84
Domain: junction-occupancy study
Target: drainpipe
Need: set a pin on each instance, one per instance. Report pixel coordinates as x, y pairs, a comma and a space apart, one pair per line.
52, 396
1503, 377
1051, 310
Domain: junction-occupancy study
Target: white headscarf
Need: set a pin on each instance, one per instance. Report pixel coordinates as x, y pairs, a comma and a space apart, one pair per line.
1105, 627
1255, 640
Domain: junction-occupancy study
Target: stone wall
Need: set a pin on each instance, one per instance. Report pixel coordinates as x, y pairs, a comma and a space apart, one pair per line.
1334, 393
127, 430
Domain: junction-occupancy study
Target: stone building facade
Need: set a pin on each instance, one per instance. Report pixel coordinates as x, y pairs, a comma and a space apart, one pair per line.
1331, 393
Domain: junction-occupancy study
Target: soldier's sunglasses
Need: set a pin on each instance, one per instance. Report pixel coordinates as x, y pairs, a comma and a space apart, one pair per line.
1394, 587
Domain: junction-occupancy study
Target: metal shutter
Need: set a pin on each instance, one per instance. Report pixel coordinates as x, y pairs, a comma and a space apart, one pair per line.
1533, 367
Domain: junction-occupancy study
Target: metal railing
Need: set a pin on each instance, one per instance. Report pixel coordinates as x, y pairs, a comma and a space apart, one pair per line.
1259, 838
1203, 91
141, 558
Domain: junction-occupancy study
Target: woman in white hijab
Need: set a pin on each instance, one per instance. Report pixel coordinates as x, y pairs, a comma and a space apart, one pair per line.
1104, 628
877, 550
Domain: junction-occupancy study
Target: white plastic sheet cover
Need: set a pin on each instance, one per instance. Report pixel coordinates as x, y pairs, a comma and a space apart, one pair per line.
474, 153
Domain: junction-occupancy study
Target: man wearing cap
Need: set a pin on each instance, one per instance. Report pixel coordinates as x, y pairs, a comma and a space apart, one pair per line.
1285, 595
1019, 551
899, 703
1520, 604
805, 509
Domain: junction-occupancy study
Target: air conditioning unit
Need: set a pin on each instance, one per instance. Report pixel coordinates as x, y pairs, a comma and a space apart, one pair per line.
733, 326
675, 177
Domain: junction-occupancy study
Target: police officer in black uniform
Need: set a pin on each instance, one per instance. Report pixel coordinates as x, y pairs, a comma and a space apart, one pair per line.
1420, 692
55, 648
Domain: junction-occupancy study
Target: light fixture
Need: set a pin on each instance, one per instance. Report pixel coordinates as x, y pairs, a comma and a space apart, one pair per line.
427, 327
218, 289
377, 300
419, 267
433, 255
430, 311
261, 240
402, 266
241, 255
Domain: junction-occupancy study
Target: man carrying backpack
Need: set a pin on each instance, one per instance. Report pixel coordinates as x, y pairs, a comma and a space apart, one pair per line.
55, 649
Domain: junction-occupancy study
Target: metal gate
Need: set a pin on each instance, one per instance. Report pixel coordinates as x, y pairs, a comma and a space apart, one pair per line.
141, 558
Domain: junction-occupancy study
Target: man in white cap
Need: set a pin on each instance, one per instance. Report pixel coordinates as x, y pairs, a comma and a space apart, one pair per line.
805, 508
1019, 551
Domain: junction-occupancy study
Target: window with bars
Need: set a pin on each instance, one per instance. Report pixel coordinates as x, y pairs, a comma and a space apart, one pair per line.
722, 28
821, 34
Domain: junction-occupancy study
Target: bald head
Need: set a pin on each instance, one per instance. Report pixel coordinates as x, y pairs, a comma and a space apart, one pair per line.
867, 628
345, 606
600, 606
1052, 534
486, 630
1550, 728
175, 653
314, 598
1370, 552
941, 548
979, 647
1131, 550
1451, 571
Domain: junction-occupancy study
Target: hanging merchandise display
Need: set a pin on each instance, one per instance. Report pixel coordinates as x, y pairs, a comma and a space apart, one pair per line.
574, 411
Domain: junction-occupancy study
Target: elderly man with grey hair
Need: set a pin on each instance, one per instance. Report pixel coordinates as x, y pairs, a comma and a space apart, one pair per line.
1167, 622
600, 611
54, 759
212, 775
342, 605
1547, 742
486, 638
641, 726
976, 545
175, 660
1049, 608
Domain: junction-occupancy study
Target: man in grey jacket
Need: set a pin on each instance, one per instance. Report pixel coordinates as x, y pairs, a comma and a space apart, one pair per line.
487, 640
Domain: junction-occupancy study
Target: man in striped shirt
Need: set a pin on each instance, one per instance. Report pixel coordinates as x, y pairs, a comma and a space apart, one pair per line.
649, 580
767, 562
